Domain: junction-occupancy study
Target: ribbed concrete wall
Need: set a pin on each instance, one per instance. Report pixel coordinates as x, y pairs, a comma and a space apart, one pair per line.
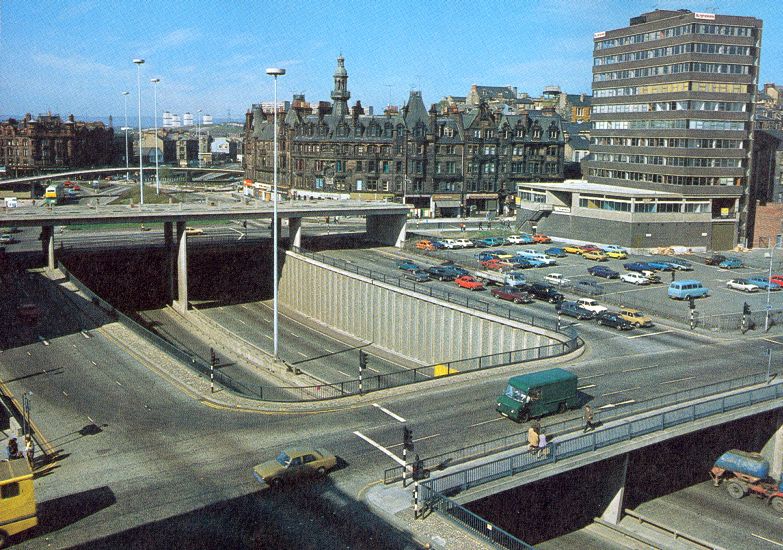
423, 329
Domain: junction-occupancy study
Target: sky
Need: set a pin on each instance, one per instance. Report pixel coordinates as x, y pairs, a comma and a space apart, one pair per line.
77, 56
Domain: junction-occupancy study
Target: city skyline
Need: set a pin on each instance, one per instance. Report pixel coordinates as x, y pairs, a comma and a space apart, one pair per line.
221, 73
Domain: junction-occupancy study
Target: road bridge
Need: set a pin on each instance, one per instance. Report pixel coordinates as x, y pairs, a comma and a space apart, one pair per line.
108, 171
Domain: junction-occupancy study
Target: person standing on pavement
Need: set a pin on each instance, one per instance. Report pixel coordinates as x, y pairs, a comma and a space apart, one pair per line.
532, 437
29, 449
542, 445
588, 418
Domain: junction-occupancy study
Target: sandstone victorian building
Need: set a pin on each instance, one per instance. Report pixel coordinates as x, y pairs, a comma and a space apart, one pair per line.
443, 164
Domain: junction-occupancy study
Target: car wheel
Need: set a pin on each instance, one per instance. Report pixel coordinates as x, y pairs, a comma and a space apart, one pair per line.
735, 489
517, 301
497, 296
777, 504
637, 325
321, 471
619, 327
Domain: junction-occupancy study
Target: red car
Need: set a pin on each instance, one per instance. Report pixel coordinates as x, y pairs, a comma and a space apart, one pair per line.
466, 281
588, 248
540, 238
493, 264
76, 188
776, 279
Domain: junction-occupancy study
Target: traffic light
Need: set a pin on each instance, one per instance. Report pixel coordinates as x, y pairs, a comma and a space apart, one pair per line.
691, 303
407, 438
212, 357
745, 308
362, 360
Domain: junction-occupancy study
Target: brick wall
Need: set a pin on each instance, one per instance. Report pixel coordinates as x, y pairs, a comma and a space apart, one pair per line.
768, 223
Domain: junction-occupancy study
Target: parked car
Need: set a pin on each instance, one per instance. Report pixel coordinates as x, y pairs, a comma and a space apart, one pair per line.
456, 270
616, 254
555, 252
595, 255
572, 309
193, 231
652, 276
438, 244
635, 317
614, 247
613, 320
512, 294
730, 263
660, 266
603, 271
557, 279
540, 238
544, 292
589, 287
449, 243
742, 284
493, 264
521, 263
425, 245
591, 305
533, 262
463, 243
572, 249
471, 283
417, 275
763, 283
293, 465
684, 290
715, 259
442, 273
777, 279
635, 278
407, 265
488, 242
680, 265
638, 266
7, 238
520, 239
589, 248
487, 255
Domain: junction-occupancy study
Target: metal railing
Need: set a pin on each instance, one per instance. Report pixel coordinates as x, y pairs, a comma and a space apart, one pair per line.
457, 456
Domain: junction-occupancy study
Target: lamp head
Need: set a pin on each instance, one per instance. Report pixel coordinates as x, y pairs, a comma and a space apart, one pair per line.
138, 61
154, 80
275, 71
125, 93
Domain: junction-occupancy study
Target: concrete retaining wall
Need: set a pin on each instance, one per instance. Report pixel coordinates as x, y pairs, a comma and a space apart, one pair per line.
421, 328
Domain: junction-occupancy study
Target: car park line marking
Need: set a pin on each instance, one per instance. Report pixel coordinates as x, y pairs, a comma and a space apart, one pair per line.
773, 341
85, 334
302, 354
118, 383
94, 363
766, 539
587, 386
65, 394
344, 373
679, 380
268, 336
295, 335
387, 411
43, 340
327, 350
619, 391
241, 321
486, 422
640, 368
381, 448
648, 334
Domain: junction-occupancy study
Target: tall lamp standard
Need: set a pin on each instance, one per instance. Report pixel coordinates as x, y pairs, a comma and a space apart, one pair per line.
769, 283
125, 128
198, 123
139, 63
275, 72
157, 178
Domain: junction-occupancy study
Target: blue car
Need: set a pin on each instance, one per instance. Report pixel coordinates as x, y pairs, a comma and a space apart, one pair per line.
603, 271
680, 265
488, 255
638, 266
763, 283
534, 262
660, 266
521, 263
439, 245
489, 241
555, 252
730, 263
407, 265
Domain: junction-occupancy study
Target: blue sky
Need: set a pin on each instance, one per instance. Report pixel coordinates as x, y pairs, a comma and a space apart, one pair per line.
76, 56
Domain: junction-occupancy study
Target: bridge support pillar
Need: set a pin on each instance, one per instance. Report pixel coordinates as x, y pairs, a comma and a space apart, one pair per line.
170, 259
776, 461
295, 232
616, 488
181, 303
387, 229
47, 244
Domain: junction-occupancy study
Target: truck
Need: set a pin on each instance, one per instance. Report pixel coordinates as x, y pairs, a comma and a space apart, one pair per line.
744, 473
18, 510
538, 393
54, 194
509, 278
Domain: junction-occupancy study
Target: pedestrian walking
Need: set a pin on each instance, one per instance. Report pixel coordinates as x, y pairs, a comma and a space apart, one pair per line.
29, 449
13, 449
542, 445
672, 275
462, 227
489, 225
588, 418
481, 226
532, 439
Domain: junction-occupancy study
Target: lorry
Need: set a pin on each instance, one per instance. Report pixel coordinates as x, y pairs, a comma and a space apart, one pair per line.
745, 473
17, 498
537, 394
509, 278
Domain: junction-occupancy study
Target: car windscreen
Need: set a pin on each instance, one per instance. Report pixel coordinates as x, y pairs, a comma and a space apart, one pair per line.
283, 459
516, 394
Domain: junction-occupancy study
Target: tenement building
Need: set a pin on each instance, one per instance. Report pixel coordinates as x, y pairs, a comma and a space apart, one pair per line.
442, 164
671, 140
50, 143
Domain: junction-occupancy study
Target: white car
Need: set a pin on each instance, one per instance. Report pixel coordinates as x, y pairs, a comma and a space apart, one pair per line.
463, 243
449, 243
591, 305
557, 279
634, 278
613, 248
517, 239
742, 284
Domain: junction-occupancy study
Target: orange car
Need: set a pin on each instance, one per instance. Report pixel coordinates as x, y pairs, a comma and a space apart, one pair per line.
540, 238
425, 245
466, 281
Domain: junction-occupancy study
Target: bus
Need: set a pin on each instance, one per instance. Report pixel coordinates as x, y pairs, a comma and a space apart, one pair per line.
54, 194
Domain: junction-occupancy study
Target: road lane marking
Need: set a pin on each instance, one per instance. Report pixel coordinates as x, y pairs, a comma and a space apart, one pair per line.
30, 354
266, 335
587, 386
594, 376
344, 373
241, 321
91, 420
117, 382
416, 440
381, 448
766, 539
372, 369
327, 350
295, 335
65, 394
679, 380
619, 391
640, 368
398, 418
43, 341
648, 334
94, 363
84, 333
773, 341
486, 422
613, 405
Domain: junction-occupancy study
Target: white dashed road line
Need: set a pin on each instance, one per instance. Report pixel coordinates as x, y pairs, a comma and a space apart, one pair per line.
587, 386
486, 422
398, 418
766, 539
648, 334
679, 380
619, 391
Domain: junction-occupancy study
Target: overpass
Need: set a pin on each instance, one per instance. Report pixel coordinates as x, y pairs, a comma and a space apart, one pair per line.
385, 223
105, 171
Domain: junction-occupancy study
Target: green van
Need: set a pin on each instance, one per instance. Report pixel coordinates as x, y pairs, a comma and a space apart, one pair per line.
537, 394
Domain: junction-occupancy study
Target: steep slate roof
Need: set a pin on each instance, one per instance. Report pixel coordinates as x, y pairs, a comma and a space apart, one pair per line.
415, 111
579, 142
577, 101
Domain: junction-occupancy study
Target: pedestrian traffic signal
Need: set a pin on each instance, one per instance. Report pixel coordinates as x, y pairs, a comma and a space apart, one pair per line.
407, 438
745, 308
362, 360
212, 357
691, 303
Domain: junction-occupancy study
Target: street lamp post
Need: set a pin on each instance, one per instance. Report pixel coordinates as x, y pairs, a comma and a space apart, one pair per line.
198, 125
139, 63
26, 411
125, 128
155, 94
274, 72
769, 283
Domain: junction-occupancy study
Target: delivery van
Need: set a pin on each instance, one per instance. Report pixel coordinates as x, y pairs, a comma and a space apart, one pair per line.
538, 394
17, 498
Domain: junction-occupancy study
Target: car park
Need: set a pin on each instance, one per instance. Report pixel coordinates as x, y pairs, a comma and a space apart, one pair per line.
595, 255
634, 277
660, 266
463, 243
591, 305
603, 271
540, 238
635, 317
76, 187
572, 309
557, 279
533, 262
488, 242
512, 294
520, 239
730, 263
425, 245
686, 289
407, 265
417, 275
613, 320
531, 254
294, 465
763, 283
589, 287
521, 263
555, 252
715, 259
441, 273
743, 285
544, 292
616, 254
471, 283
680, 265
